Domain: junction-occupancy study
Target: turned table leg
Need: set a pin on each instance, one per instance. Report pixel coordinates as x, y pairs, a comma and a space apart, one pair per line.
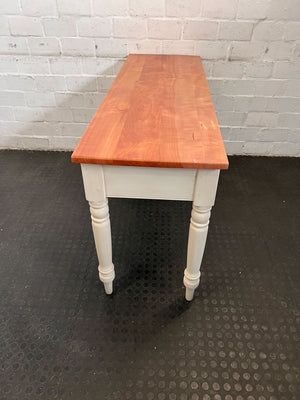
102, 236
94, 186
204, 195
196, 244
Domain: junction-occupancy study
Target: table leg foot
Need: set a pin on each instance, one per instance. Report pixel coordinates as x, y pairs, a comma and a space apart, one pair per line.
191, 282
189, 294
108, 286
107, 275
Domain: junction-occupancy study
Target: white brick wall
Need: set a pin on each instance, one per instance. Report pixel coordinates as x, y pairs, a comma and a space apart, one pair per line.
58, 58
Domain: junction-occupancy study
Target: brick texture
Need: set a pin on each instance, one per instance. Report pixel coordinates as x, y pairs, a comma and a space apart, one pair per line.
59, 58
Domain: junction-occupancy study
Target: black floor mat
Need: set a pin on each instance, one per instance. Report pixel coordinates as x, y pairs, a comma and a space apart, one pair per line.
61, 337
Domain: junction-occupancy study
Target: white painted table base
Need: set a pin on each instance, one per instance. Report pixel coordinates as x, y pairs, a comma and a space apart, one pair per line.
199, 186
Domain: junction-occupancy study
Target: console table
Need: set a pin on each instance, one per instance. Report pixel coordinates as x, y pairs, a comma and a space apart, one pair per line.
154, 136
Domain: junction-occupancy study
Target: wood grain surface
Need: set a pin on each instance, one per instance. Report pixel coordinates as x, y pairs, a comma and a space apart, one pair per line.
157, 113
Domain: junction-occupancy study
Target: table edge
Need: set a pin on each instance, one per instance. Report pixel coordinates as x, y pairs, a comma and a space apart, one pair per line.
155, 164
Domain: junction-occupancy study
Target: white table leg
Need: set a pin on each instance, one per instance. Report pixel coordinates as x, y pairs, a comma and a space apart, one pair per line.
102, 236
94, 186
204, 196
197, 239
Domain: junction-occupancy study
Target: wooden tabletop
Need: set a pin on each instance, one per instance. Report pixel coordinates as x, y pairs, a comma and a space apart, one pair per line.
157, 113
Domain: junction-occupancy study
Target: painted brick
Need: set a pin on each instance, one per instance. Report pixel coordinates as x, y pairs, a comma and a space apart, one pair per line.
13, 45
50, 83
296, 53
247, 50
212, 50
225, 9
32, 65
250, 103
262, 119
286, 10
185, 47
292, 31
4, 28
10, 128
78, 46
228, 69
60, 27
292, 88
225, 131
215, 86
48, 114
207, 66
24, 142
105, 8
283, 104
273, 134
74, 7
179, 8
164, 29
39, 128
144, 46
235, 30
286, 149
200, 30
82, 83
12, 98
63, 143
83, 114
6, 114
97, 66
67, 100
117, 65
285, 69
258, 69
224, 103
295, 135
34, 7
153, 8
25, 26
289, 120
255, 9
130, 28
243, 133
40, 99
72, 129
111, 47
28, 114
21, 128
230, 118
268, 30
104, 83
19, 82
233, 147
238, 87
255, 148
8, 64
44, 46
93, 100
65, 65
94, 27
269, 87
9, 7
279, 51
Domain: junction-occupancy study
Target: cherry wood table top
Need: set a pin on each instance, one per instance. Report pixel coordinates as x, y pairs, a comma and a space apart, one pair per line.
157, 113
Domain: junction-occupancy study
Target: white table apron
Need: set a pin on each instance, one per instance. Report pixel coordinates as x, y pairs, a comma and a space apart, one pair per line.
196, 185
